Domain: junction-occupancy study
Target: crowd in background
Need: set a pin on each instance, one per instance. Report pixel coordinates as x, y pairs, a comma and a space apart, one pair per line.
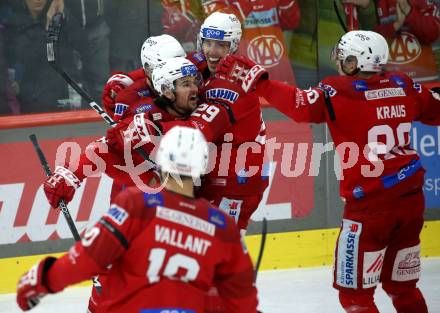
100, 37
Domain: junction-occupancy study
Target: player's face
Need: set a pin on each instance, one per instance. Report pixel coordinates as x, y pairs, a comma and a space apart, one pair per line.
187, 89
214, 51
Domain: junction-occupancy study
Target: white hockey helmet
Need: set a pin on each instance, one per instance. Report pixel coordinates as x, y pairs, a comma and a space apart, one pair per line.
183, 151
222, 27
157, 49
166, 73
369, 48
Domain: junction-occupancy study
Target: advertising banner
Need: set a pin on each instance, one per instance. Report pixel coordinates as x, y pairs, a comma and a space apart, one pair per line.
26, 216
426, 140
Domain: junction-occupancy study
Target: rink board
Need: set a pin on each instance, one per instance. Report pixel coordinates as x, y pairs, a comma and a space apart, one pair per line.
283, 250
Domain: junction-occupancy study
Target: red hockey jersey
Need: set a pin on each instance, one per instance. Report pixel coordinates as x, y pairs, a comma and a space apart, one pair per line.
165, 251
102, 158
369, 120
231, 120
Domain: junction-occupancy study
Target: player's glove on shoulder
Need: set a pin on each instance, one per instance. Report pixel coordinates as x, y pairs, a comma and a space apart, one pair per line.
242, 70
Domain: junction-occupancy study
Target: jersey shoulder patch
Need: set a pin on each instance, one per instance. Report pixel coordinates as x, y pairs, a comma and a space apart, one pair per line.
221, 89
153, 199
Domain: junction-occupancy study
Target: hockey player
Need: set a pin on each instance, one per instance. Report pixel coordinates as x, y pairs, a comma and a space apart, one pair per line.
218, 21
233, 121
101, 158
228, 116
369, 114
139, 96
263, 24
154, 50
219, 36
165, 249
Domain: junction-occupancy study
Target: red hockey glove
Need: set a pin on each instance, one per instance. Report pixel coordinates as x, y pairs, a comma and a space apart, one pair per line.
241, 70
199, 60
61, 185
132, 132
32, 285
114, 84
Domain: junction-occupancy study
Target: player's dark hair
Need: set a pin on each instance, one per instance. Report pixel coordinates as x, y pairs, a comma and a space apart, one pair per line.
162, 102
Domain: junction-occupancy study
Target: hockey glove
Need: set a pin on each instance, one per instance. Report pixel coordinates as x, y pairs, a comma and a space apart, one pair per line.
199, 60
132, 132
32, 286
241, 70
114, 84
61, 185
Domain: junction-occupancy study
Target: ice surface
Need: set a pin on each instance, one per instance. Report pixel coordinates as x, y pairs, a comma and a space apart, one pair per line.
285, 291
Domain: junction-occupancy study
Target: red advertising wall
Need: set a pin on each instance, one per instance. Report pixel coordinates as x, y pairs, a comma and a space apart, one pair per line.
25, 214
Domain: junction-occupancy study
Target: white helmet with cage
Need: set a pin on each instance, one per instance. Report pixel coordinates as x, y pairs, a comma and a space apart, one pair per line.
157, 49
166, 73
369, 48
183, 151
222, 27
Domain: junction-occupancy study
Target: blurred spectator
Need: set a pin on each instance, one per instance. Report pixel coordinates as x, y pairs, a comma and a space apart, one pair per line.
37, 85
414, 16
128, 21
351, 12
89, 34
4, 105
410, 26
182, 20
8, 100
263, 22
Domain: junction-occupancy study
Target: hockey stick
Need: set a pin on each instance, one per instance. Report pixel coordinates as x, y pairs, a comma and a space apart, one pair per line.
52, 50
262, 244
63, 205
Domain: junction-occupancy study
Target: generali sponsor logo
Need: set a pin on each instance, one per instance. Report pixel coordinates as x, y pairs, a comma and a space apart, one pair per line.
384, 93
407, 264
185, 219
